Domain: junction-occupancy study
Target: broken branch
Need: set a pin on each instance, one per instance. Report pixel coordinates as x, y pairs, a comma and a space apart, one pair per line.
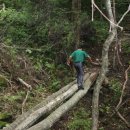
24, 83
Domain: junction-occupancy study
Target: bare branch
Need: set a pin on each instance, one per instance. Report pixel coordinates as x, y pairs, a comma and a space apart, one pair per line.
24, 83
124, 15
23, 104
106, 16
123, 119
124, 86
92, 9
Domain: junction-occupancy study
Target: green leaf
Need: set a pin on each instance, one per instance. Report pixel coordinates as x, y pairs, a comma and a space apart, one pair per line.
4, 116
28, 51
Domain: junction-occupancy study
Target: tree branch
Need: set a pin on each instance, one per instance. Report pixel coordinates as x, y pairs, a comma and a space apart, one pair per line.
23, 104
124, 86
124, 15
123, 119
24, 83
111, 21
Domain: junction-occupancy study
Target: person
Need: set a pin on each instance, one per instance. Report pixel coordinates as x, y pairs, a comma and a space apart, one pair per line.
78, 57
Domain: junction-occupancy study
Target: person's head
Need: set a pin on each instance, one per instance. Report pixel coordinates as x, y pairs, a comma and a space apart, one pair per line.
80, 46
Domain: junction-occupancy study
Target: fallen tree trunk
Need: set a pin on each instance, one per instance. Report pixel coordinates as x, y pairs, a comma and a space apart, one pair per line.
48, 108
55, 116
24, 116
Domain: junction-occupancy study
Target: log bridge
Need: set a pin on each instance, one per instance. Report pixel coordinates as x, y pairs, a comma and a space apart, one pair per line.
49, 111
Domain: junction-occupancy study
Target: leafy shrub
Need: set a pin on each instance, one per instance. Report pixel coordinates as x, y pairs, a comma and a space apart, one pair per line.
12, 98
80, 121
101, 30
116, 87
80, 124
126, 47
14, 25
3, 82
2, 124
55, 85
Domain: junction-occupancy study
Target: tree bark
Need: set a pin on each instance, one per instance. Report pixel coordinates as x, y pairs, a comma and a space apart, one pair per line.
42, 106
30, 120
76, 9
104, 68
22, 117
55, 116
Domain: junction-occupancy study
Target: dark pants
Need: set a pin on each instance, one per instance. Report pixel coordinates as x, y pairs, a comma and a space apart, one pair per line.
79, 69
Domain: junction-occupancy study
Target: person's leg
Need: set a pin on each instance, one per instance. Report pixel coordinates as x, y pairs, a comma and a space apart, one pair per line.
79, 70
81, 74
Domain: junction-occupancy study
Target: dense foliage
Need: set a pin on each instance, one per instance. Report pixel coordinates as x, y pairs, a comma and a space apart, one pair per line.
42, 33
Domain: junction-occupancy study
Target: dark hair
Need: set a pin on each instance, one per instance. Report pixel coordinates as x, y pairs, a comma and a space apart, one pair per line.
80, 46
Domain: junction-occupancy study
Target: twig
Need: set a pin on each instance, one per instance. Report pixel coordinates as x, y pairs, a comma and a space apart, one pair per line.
124, 86
118, 42
124, 15
92, 10
29, 88
23, 104
123, 119
24, 83
119, 104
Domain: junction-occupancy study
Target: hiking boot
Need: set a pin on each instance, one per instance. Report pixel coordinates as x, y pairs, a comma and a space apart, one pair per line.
80, 87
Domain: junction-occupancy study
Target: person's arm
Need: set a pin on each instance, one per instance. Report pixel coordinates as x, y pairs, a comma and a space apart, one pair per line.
89, 59
69, 60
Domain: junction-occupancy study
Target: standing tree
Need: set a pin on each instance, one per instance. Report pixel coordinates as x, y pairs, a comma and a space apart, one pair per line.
104, 68
76, 9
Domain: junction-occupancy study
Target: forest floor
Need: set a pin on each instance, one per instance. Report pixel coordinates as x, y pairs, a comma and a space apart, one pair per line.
13, 93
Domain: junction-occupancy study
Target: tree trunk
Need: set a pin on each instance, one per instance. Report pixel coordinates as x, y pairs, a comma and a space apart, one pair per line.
76, 9
42, 107
104, 68
55, 116
22, 117
30, 120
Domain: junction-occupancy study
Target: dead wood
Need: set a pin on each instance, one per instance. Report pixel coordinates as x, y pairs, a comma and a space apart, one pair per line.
32, 118
24, 83
124, 86
121, 98
23, 104
24, 116
123, 119
55, 116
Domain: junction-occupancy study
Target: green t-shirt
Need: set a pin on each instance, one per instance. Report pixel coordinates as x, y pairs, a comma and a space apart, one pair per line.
79, 56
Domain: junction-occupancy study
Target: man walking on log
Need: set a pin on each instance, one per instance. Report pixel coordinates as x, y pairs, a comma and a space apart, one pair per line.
78, 57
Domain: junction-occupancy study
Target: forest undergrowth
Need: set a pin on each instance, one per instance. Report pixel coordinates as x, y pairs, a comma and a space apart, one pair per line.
36, 38
80, 118
13, 91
